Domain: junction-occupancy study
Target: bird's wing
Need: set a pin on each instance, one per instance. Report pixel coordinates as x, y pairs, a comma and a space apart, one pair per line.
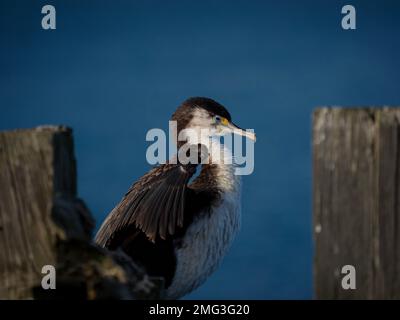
155, 205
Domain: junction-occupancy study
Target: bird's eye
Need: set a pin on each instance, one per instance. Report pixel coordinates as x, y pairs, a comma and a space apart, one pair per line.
217, 119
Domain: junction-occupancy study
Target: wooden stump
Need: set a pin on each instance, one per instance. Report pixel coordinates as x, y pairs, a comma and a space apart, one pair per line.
356, 172
42, 222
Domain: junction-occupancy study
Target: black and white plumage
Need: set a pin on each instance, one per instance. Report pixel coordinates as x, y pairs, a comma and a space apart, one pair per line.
174, 227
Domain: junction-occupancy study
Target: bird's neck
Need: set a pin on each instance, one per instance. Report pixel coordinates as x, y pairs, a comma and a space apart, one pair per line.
220, 169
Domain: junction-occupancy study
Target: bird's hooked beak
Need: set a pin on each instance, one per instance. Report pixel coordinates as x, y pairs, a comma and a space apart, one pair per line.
236, 130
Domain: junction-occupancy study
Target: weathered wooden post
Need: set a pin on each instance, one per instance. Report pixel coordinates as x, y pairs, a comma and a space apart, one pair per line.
42, 222
356, 199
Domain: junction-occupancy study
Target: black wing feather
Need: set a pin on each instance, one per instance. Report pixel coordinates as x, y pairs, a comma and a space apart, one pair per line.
155, 205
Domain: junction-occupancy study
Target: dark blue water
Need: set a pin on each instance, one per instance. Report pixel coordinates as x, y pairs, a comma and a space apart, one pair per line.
114, 69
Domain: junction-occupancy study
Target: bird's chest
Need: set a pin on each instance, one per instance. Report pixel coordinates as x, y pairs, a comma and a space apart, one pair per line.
205, 243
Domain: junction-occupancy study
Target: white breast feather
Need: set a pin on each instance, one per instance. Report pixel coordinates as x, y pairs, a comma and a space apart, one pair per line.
208, 238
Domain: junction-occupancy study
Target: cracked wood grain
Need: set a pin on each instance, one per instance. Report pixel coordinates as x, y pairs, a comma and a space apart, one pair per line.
42, 222
356, 163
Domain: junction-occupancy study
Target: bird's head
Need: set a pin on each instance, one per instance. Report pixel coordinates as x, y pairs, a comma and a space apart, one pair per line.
206, 115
